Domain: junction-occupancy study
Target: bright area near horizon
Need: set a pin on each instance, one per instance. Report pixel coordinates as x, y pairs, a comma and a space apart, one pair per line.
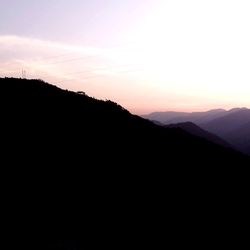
147, 55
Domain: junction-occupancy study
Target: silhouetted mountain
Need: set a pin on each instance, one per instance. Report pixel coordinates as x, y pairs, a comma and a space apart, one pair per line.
198, 118
240, 138
79, 168
164, 117
234, 128
38, 112
224, 124
180, 117
193, 129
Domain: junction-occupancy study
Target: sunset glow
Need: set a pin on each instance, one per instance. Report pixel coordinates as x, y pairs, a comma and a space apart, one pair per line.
151, 55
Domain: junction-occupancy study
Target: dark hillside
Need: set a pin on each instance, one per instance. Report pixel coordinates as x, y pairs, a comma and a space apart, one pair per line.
78, 165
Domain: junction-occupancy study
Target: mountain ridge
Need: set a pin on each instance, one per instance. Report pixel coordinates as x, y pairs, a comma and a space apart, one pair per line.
225, 124
74, 165
198, 131
169, 117
37, 105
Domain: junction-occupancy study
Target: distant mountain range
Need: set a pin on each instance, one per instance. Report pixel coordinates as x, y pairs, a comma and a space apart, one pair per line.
232, 126
199, 118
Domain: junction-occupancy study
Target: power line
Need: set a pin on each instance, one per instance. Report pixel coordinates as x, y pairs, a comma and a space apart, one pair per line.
68, 60
55, 56
90, 70
52, 57
101, 76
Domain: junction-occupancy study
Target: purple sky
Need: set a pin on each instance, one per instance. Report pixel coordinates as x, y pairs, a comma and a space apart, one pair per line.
91, 22
147, 55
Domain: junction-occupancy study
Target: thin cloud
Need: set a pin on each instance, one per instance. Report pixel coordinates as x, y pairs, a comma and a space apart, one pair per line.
9, 41
55, 61
45, 58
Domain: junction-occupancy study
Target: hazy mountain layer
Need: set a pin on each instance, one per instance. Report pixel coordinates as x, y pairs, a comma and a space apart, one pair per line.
232, 126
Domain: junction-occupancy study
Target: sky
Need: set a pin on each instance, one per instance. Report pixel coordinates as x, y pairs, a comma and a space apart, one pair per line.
147, 55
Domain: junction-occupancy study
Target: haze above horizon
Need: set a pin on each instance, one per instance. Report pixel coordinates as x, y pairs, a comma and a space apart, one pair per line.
147, 55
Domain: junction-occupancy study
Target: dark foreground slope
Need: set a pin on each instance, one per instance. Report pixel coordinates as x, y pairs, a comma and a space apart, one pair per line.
80, 165
47, 121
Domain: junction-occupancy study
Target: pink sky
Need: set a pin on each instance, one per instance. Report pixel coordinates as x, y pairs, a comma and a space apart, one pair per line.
152, 55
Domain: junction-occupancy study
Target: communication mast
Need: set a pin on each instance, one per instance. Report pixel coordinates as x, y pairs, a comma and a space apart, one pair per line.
23, 74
